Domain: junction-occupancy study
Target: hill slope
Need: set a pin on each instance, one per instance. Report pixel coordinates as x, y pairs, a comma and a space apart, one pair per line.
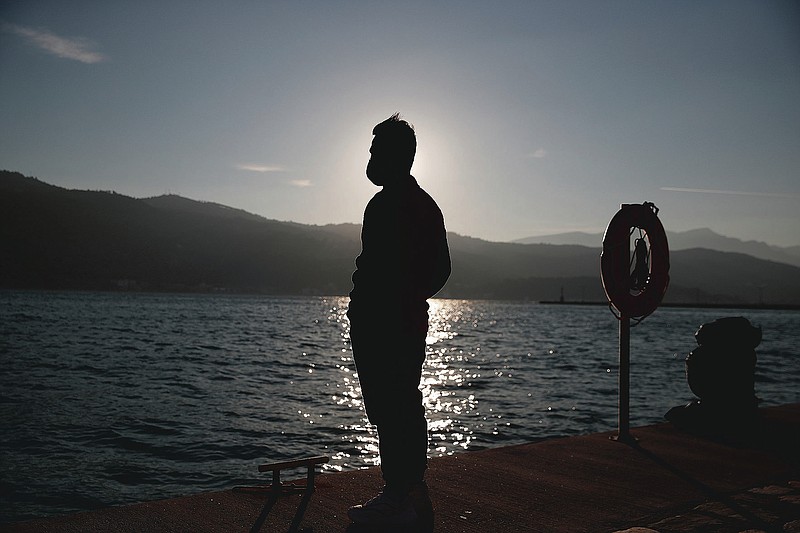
54, 238
685, 240
57, 238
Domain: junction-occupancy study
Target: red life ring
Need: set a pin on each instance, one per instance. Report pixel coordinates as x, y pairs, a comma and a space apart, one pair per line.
615, 261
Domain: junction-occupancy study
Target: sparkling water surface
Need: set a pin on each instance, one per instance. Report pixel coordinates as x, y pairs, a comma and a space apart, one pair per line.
109, 398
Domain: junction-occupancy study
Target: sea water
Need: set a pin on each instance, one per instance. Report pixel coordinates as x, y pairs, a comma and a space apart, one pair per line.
114, 398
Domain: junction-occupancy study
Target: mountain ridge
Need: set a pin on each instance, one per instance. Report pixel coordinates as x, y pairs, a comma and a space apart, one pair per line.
56, 238
684, 240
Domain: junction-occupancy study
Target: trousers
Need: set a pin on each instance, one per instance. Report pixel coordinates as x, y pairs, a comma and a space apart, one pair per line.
389, 365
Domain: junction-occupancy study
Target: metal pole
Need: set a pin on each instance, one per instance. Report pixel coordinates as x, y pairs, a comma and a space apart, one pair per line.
624, 377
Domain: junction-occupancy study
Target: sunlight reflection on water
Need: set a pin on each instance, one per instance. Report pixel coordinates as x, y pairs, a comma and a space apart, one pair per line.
443, 373
473, 397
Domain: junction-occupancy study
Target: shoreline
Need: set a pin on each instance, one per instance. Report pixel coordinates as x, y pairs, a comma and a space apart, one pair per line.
666, 480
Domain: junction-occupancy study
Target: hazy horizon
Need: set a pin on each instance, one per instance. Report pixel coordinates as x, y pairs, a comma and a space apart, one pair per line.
533, 118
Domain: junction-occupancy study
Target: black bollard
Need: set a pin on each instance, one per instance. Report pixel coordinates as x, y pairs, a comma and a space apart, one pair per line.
721, 373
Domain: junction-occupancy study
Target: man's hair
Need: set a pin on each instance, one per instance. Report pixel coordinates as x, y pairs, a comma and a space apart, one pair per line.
400, 135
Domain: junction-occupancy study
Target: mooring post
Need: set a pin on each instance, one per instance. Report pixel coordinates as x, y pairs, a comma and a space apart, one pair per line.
624, 377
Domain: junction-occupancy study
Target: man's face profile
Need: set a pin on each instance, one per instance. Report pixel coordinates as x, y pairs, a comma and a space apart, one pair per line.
380, 169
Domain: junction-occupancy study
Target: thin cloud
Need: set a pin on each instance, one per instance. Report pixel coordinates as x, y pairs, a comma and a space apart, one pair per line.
260, 168
300, 183
736, 193
539, 153
77, 49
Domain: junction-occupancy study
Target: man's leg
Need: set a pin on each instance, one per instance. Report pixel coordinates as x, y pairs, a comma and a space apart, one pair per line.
403, 433
389, 369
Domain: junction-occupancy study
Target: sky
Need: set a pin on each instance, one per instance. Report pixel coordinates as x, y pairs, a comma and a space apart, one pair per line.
532, 117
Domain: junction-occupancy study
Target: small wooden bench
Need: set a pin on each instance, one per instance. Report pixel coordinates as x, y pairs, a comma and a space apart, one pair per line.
276, 489
309, 462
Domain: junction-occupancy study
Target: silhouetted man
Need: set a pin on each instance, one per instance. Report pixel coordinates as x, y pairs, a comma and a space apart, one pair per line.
404, 261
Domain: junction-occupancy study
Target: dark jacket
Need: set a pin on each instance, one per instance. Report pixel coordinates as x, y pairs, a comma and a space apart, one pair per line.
404, 256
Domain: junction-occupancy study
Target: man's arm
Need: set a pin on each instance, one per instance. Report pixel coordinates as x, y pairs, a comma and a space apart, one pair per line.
442, 265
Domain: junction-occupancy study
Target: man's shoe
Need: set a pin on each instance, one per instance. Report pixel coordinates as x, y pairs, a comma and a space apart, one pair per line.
421, 501
384, 510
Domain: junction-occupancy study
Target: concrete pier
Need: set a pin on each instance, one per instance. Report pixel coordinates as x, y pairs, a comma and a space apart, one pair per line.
665, 481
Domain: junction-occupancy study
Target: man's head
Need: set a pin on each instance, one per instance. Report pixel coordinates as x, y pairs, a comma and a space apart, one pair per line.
392, 151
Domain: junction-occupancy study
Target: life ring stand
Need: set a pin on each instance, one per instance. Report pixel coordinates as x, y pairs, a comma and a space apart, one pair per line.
615, 261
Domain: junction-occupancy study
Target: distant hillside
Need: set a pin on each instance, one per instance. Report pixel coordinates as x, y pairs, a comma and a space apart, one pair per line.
685, 240
575, 238
54, 238
172, 202
57, 238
